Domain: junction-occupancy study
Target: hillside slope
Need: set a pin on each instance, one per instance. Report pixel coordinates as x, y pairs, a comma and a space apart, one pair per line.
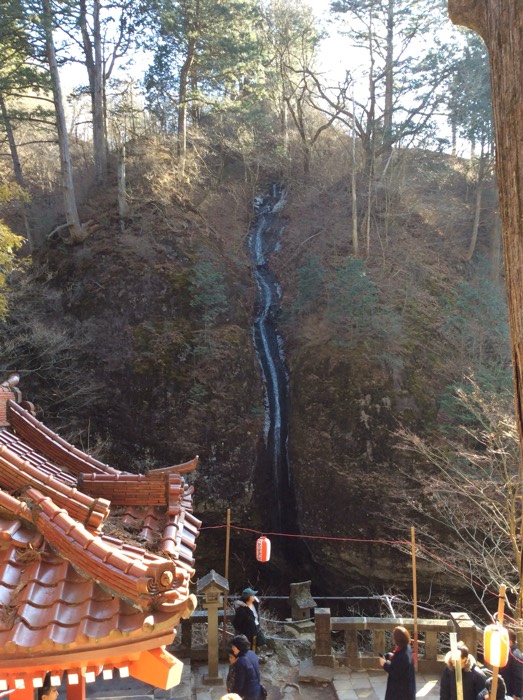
150, 335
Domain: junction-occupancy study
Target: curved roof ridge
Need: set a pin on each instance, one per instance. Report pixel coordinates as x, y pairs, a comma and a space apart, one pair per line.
179, 468
51, 445
25, 451
17, 473
15, 506
137, 489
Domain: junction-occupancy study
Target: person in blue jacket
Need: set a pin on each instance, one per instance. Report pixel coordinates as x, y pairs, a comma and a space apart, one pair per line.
246, 681
401, 683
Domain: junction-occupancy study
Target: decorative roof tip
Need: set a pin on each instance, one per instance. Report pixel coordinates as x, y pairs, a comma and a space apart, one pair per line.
8, 392
11, 381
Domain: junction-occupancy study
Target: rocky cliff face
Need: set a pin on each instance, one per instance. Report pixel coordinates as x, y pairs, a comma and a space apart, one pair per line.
157, 320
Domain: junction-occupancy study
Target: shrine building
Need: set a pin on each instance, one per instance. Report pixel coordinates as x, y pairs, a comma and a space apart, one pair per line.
95, 563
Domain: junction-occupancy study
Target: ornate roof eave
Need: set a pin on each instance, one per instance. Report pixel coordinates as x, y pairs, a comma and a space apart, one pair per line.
73, 597
144, 580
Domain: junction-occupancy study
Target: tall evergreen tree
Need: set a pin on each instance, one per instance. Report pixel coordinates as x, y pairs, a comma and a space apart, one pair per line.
19, 77
205, 50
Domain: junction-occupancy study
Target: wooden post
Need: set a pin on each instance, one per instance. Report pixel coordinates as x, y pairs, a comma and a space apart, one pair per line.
76, 691
501, 612
414, 596
227, 544
456, 657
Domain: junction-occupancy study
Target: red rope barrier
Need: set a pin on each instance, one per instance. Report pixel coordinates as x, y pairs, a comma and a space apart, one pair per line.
405, 543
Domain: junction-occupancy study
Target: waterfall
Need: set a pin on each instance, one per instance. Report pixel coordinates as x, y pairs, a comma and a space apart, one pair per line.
263, 240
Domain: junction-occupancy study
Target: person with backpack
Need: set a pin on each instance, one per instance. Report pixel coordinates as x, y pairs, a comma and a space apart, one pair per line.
501, 692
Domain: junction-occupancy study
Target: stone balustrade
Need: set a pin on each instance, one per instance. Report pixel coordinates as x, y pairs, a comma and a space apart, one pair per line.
367, 637
362, 638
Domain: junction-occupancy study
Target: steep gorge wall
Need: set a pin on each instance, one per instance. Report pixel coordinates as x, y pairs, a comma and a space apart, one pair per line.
178, 376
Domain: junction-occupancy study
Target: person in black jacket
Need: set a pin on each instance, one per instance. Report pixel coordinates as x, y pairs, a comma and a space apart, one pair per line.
246, 682
512, 673
247, 618
401, 683
473, 678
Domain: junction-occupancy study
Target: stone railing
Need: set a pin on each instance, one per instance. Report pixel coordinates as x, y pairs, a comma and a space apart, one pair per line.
196, 649
365, 638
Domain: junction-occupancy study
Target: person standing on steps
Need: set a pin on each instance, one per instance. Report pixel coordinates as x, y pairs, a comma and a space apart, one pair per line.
473, 678
247, 682
247, 618
512, 673
401, 683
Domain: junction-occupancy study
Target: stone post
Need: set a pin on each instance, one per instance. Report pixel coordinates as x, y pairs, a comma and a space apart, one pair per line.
213, 586
467, 631
323, 654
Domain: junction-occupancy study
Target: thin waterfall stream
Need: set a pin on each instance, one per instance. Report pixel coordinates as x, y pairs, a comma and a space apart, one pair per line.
263, 240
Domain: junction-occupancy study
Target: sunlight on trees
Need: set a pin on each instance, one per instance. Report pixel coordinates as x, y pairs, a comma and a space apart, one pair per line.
9, 244
469, 509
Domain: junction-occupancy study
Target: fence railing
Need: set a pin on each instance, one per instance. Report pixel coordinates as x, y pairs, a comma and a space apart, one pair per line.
362, 639
367, 637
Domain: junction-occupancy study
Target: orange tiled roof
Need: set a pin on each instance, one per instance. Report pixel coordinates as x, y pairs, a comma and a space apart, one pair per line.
95, 563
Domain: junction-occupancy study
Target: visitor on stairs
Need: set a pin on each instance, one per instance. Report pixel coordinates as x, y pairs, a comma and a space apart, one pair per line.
399, 664
246, 682
247, 617
473, 678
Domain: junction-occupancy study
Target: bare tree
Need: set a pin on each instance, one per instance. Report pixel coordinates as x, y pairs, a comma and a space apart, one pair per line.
467, 503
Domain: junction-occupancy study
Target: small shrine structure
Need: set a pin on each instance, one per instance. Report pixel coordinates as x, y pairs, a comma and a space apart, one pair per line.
301, 601
95, 563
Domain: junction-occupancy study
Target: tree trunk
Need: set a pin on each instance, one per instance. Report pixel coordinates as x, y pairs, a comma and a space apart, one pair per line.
95, 70
355, 240
17, 168
495, 250
182, 104
99, 142
71, 211
389, 85
123, 207
477, 209
500, 24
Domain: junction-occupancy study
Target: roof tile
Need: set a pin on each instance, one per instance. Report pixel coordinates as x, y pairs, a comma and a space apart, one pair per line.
65, 586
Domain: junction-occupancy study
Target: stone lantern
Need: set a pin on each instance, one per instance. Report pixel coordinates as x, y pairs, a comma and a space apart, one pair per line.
213, 586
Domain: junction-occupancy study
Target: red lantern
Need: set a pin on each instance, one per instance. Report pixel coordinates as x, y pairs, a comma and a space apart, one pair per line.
263, 548
496, 645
